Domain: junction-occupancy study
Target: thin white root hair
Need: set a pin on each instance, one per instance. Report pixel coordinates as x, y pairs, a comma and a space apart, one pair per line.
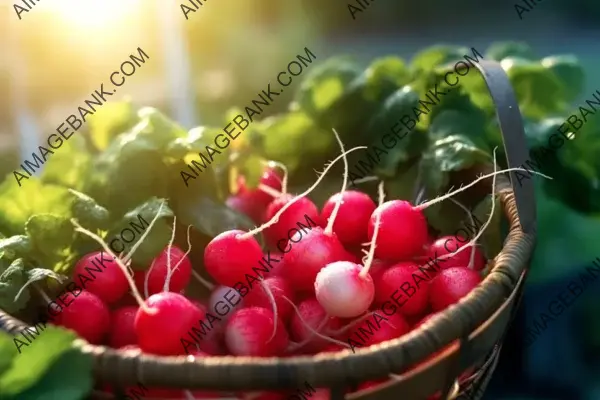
43, 294
484, 227
141, 240
329, 228
371, 255
284, 182
169, 247
99, 240
269, 190
351, 324
317, 334
290, 203
207, 284
146, 277
299, 345
268, 292
189, 249
365, 179
465, 209
463, 188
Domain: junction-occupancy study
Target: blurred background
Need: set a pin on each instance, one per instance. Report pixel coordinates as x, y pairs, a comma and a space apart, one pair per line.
62, 50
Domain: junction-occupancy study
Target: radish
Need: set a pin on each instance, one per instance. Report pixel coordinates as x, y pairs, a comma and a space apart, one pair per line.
451, 285
353, 217
346, 289
231, 255
278, 234
312, 315
122, 332
270, 296
223, 301
449, 245
87, 315
171, 258
104, 277
167, 318
253, 202
248, 331
423, 320
403, 284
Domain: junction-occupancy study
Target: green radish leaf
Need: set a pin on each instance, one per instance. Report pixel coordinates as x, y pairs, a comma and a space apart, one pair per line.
450, 154
12, 278
390, 67
50, 236
110, 120
18, 204
434, 56
37, 359
89, 213
15, 247
135, 224
569, 71
69, 166
501, 50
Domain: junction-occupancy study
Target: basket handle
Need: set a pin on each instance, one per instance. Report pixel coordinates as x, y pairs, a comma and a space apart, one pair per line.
510, 122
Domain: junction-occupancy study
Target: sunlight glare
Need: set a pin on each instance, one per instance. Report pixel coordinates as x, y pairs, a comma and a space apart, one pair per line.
93, 13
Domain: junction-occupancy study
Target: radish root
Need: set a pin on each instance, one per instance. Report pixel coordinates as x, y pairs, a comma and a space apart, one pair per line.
267, 290
269, 190
169, 247
275, 218
371, 255
98, 239
365, 179
284, 182
204, 282
472, 257
146, 277
327, 338
170, 272
450, 194
296, 346
139, 242
329, 228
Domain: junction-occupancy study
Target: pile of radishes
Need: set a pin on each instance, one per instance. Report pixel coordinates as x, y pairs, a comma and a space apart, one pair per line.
316, 292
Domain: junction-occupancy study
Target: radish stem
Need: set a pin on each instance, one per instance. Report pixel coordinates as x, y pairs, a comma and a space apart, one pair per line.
139, 242
329, 228
371, 255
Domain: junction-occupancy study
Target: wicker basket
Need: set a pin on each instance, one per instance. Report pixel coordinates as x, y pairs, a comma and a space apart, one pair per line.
479, 321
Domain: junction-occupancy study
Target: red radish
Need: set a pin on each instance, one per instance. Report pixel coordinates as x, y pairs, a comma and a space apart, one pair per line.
333, 348
106, 278
407, 285
378, 267
450, 285
353, 217
122, 332
170, 318
278, 268
343, 291
248, 331
87, 315
276, 288
313, 315
253, 202
279, 233
403, 230
449, 245
230, 255
308, 256
180, 267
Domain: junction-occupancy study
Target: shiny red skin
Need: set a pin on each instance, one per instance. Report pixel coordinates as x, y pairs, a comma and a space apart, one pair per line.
85, 314
279, 287
122, 331
248, 331
449, 245
352, 219
173, 317
450, 285
107, 280
157, 272
228, 257
312, 313
278, 234
393, 279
